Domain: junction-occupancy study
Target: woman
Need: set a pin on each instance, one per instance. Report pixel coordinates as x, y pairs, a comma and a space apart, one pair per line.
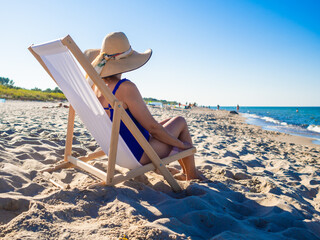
116, 57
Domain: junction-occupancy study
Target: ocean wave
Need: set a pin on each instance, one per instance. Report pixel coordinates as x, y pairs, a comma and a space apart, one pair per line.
266, 119
247, 115
269, 119
303, 127
294, 124
314, 128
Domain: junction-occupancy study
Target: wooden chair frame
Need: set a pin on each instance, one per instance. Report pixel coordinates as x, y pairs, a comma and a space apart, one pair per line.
109, 177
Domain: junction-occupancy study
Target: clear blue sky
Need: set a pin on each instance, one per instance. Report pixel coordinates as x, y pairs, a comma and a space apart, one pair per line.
227, 52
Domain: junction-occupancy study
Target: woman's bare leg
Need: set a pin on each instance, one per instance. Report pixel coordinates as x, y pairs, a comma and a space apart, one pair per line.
182, 166
177, 127
164, 121
181, 176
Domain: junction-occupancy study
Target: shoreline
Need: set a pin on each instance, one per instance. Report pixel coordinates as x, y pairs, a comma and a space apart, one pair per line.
283, 136
289, 137
296, 121
293, 138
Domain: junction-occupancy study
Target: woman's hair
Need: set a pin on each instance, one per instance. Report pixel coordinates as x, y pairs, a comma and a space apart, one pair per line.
112, 76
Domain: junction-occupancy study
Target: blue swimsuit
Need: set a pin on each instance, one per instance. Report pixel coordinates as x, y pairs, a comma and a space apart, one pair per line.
129, 139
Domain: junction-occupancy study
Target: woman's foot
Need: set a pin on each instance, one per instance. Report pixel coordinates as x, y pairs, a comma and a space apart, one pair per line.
197, 175
180, 176
173, 170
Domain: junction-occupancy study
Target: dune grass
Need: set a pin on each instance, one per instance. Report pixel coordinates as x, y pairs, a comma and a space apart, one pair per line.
36, 94
24, 94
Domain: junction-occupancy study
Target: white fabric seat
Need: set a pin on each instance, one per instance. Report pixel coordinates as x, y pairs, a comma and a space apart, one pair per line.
77, 90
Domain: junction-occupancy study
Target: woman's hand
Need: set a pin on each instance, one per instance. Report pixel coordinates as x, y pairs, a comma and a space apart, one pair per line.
186, 145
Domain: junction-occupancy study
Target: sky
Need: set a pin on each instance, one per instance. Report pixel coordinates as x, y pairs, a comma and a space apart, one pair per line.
226, 52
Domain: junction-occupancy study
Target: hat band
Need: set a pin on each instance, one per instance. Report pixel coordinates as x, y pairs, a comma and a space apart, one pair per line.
102, 59
117, 56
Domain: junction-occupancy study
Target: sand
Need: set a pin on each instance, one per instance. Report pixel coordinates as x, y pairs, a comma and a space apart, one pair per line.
261, 184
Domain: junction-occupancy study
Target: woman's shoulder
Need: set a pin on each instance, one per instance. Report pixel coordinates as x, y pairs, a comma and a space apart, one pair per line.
128, 91
127, 85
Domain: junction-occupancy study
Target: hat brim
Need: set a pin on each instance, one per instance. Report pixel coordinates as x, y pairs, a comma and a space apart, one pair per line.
134, 61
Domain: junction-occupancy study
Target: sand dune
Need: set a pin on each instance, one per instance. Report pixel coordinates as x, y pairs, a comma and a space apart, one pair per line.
262, 184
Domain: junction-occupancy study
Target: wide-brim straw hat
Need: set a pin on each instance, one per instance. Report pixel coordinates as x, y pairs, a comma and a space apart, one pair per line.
120, 56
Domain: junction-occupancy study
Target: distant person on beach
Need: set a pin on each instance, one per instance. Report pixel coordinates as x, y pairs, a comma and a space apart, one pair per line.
116, 57
238, 108
188, 106
218, 107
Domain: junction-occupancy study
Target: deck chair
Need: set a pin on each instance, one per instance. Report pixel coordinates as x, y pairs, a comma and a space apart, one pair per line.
62, 60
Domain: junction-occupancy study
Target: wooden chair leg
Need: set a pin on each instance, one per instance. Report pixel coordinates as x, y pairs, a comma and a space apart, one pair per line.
114, 141
69, 137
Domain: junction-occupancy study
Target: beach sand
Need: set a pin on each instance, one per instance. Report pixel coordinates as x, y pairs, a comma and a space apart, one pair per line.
261, 184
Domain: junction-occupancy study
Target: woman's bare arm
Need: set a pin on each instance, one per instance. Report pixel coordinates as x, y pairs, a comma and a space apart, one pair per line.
131, 96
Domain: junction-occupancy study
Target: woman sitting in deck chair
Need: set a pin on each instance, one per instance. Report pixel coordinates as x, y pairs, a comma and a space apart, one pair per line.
116, 57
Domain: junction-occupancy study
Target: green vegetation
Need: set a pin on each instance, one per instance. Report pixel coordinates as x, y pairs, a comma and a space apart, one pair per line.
9, 91
162, 101
24, 94
6, 82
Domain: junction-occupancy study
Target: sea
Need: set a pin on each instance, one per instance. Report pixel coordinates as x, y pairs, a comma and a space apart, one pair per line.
300, 121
